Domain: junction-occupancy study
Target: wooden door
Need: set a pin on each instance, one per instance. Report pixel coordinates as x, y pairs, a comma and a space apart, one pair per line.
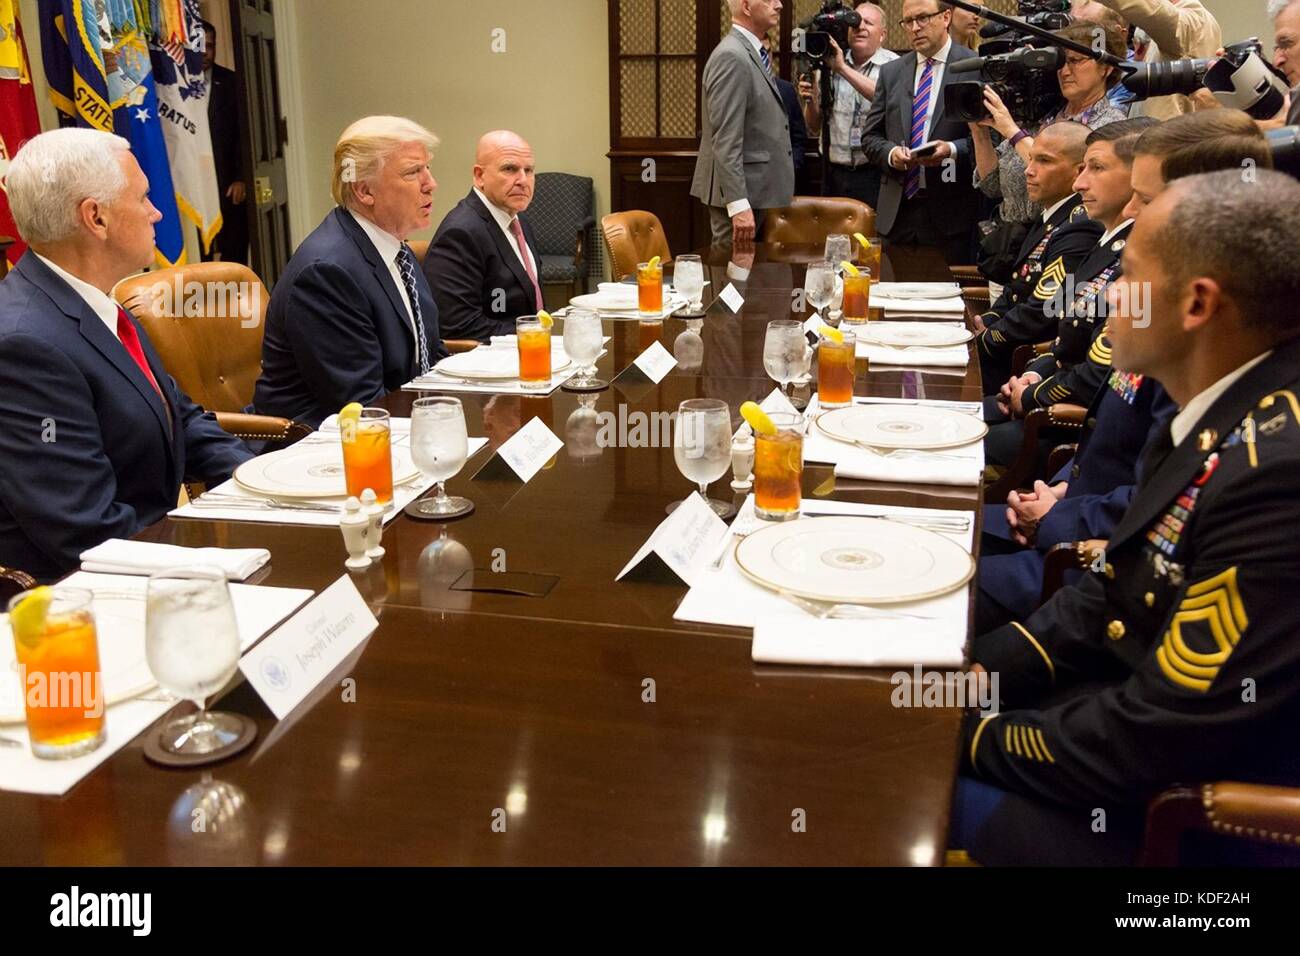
264, 131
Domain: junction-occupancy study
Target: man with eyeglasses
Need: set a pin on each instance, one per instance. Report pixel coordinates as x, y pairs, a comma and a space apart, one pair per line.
926, 193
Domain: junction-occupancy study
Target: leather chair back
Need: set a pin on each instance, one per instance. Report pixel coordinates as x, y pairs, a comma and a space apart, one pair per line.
206, 320
810, 219
632, 237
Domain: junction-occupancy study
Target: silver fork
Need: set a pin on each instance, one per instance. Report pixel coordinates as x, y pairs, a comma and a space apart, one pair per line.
214, 500
849, 612
901, 453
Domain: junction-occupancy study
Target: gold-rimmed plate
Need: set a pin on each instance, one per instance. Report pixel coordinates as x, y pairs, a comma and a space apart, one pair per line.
496, 363
311, 470
901, 426
908, 334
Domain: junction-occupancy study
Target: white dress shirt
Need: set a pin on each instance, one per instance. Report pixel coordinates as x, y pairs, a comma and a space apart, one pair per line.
388, 246
738, 206
99, 303
1110, 234
1050, 211
504, 218
1191, 413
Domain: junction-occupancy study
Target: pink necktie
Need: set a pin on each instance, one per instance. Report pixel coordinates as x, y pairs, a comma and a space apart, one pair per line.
518, 231
131, 342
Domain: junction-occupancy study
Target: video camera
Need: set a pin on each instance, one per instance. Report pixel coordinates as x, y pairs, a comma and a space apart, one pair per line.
834, 20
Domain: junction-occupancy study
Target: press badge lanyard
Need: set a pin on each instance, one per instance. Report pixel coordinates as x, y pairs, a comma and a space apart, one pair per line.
855, 131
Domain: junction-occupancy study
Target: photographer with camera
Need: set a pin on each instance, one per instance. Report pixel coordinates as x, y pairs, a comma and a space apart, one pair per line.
1000, 171
854, 72
1168, 30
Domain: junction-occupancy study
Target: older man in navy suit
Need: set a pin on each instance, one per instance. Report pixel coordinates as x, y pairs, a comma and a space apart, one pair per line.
95, 437
483, 265
352, 318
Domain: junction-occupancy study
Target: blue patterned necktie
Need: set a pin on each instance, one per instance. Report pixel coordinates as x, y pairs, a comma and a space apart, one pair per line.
920, 110
766, 58
406, 265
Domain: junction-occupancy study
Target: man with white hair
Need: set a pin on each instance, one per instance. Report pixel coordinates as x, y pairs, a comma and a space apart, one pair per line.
1286, 48
95, 436
352, 318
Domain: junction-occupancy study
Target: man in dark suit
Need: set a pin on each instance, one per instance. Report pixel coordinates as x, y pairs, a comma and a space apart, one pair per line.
930, 199
352, 318
227, 149
744, 165
95, 437
482, 264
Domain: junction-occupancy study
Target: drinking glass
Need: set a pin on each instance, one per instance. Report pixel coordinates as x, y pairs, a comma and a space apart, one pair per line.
368, 454
785, 351
857, 299
192, 646
869, 257
439, 447
534, 340
778, 468
58, 659
688, 279
583, 337
702, 445
838, 248
819, 284
836, 366
650, 288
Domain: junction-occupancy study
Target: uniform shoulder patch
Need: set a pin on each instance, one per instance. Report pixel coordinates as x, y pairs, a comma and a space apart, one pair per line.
1049, 281
1207, 626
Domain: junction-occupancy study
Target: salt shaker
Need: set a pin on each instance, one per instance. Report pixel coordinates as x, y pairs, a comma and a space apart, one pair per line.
355, 525
375, 512
742, 462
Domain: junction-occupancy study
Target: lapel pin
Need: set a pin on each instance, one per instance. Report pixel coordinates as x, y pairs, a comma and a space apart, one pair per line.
1207, 439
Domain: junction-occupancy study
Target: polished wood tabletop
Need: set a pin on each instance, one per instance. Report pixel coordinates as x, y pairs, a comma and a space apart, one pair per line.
474, 707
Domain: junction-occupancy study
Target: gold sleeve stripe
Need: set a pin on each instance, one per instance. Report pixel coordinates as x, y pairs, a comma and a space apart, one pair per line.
1099, 353
1022, 742
1051, 668
975, 740
1032, 739
1042, 742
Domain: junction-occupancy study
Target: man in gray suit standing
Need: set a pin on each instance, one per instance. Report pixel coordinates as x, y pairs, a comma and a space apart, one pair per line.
744, 167
925, 198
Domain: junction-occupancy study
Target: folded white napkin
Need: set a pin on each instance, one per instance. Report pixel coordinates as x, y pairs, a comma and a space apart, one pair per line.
963, 465
946, 356
120, 556
916, 290
897, 306
873, 643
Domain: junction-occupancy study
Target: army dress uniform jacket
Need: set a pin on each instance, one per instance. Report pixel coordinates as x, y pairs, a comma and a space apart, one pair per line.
1022, 314
1184, 644
1079, 361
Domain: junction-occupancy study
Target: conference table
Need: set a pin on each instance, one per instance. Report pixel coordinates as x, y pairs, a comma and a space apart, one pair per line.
468, 703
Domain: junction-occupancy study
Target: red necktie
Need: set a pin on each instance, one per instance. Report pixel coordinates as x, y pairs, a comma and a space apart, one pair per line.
518, 232
131, 342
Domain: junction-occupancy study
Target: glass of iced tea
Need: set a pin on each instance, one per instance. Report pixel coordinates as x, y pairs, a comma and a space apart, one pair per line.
869, 256
58, 661
836, 366
368, 454
650, 288
534, 339
778, 468
857, 298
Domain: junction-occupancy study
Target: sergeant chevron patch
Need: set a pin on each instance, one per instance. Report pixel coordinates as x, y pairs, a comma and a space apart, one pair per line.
1050, 280
1206, 627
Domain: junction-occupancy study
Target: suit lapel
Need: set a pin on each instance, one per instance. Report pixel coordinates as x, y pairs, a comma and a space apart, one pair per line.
505, 246
758, 62
1177, 469
907, 90
380, 268
1101, 256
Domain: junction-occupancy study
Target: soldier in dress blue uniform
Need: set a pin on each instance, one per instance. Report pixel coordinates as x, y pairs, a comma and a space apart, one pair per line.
1176, 659
1058, 241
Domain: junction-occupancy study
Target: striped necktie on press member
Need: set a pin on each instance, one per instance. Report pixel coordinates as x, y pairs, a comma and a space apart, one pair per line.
920, 111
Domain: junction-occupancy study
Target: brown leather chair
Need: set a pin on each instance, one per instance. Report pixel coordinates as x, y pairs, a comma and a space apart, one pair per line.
216, 355
1040, 424
13, 581
810, 219
1253, 812
421, 249
632, 237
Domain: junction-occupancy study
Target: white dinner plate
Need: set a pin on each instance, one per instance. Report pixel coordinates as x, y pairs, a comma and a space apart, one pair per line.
119, 628
907, 334
312, 470
901, 426
850, 560
917, 290
497, 363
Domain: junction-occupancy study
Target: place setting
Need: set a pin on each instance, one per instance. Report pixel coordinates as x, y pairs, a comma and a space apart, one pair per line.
650, 298
918, 298
924, 344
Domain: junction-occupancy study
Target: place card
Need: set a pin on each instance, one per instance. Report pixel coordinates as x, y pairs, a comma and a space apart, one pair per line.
732, 298
684, 541
528, 449
285, 667
776, 401
655, 362
813, 324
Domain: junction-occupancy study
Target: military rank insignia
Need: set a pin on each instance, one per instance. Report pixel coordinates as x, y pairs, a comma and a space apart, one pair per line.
1165, 534
1207, 626
1125, 385
1050, 281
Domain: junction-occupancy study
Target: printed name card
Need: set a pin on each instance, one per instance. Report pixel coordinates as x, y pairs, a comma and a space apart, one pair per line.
288, 665
655, 362
684, 541
813, 324
528, 449
732, 298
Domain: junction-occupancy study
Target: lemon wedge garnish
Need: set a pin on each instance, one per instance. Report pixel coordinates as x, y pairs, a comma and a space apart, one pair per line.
28, 617
835, 335
850, 268
866, 244
350, 410
757, 419
544, 317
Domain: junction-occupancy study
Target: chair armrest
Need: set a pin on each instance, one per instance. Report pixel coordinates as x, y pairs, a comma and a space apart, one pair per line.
1020, 474
13, 581
1249, 811
262, 427
968, 275
461, 345
1067, 556
977, 295
1059, 456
